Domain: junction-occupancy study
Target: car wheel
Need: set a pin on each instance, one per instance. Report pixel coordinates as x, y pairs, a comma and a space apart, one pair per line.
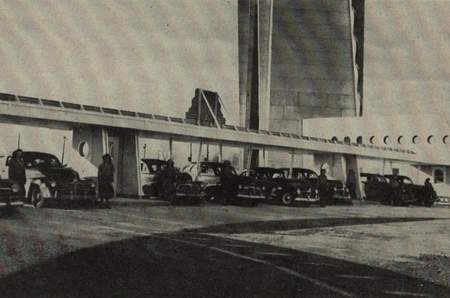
287, 199
37, 199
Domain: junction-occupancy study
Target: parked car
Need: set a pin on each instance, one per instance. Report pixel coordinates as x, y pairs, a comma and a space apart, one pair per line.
376, 187
410, 193
337, 191
9, 194
280, 188
151, 169
188, 190
209, 175
49, 180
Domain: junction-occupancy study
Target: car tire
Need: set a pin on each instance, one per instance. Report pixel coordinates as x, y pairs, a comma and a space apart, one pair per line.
37, 199
287, 199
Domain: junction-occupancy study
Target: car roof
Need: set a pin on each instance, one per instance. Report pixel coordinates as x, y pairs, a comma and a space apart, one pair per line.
154, 160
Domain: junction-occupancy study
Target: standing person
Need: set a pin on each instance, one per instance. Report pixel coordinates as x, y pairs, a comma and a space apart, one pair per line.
351, 183
168, 182
428, 190
16, 171
322, 187
105, 180
227, 182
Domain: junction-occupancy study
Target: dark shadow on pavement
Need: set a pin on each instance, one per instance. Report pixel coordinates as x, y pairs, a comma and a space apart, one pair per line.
297, 224
184, 265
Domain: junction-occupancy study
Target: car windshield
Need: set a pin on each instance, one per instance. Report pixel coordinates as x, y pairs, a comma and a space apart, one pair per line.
407, 180
33, 160
152, 166
207, 169
304, 174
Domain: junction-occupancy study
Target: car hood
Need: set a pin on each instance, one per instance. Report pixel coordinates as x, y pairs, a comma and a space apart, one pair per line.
60, 174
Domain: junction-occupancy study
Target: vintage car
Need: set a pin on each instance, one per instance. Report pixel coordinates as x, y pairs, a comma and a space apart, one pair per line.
186, 188
410, 193
48, 180
208, 175
150, 169
337, 191
9, 194
376, 187
279, 187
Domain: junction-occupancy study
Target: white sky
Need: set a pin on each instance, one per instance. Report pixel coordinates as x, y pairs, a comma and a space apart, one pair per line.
407, 56
137, 55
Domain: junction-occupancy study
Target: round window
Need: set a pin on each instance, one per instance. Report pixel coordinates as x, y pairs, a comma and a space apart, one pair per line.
83, 149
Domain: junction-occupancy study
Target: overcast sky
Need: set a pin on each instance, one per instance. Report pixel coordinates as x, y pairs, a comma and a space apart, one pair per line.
146, 55
407, 56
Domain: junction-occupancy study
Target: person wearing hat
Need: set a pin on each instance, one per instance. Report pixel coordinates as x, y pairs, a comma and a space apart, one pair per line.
168, 182
16, 171
105, 180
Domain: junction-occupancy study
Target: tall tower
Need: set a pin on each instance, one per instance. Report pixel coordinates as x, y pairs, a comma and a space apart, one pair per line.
297, 61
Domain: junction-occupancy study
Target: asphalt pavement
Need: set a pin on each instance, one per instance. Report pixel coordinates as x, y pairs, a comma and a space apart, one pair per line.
142, 248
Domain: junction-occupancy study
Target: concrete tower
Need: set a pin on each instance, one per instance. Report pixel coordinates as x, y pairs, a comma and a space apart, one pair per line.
297, 61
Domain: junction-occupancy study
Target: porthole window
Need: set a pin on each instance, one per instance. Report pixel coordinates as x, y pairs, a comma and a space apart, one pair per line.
334, 139
400, 140
415, 139
445, 139
386, 140
372, 140
83, 149
430, 139
347, 140
359, 140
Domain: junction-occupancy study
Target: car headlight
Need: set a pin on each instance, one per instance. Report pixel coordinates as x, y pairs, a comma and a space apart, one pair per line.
240, 186
53, 184
93, 185
263, 188
15, 188
335, 188
299, 191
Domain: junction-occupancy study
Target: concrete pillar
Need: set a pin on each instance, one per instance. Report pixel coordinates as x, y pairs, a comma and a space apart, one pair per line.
354, 164
129, 183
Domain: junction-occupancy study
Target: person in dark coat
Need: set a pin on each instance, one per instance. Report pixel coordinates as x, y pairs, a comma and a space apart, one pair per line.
105, 180
351, 183
227, 182
168, 182
428, 189
16, 171
322, 187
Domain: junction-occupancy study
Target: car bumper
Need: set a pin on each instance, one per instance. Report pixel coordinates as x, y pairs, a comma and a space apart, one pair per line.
191, 195
250, 196
306, 199
11, 204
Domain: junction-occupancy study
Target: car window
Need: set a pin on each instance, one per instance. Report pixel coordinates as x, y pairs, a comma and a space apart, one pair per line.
407, 180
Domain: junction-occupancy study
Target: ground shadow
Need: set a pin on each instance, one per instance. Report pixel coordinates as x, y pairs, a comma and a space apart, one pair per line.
297, 224
198, 265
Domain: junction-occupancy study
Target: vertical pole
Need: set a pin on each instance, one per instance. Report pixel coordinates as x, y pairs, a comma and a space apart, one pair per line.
292, 162
145, 150
170, 147
190, 151
220, 153
199, 156
63, 150
18, 141
207, 151
199, 108
264, 157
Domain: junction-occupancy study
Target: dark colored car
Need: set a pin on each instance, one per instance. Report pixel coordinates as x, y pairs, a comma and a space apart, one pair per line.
49, 180
186, 188
278, 187
410, 193
376, 187
9, 194
337, 191
209, 173
151, 169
